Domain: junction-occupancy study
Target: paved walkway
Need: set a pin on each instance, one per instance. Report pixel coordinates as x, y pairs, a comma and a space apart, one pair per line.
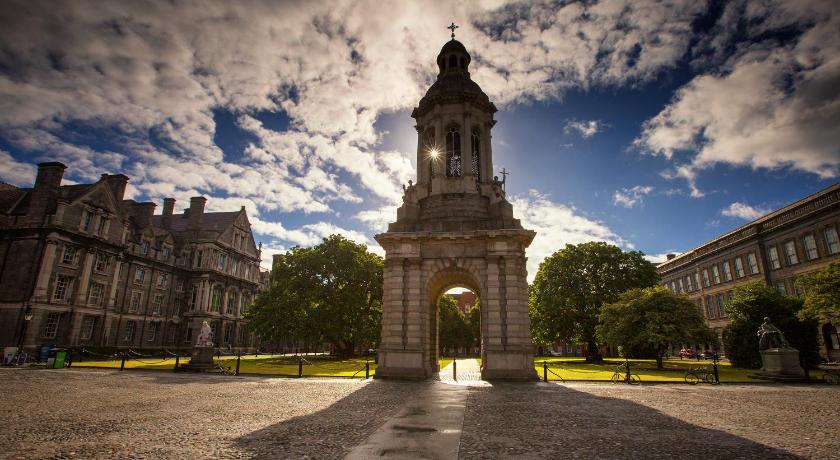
467, 370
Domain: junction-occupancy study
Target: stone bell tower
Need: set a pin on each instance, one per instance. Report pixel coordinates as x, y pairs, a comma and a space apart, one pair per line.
455, 228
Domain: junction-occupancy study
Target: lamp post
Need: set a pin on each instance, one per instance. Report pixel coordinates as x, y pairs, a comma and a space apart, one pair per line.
27, 317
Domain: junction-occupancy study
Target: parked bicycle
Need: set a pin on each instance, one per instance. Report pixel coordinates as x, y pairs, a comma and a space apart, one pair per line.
700, 374
831, 378
621, 374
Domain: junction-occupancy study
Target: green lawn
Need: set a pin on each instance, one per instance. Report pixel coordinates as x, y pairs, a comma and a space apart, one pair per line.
577, 369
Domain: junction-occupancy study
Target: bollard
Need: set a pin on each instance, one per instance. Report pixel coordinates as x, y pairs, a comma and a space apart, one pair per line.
300, 367
545, 371
454, 368
367, 369
238, 357
715, 368
627, 376
177, 359
122, 363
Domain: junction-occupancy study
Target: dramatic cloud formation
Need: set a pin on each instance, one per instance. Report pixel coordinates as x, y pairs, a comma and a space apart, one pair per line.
743, 211
630, 197
770, 107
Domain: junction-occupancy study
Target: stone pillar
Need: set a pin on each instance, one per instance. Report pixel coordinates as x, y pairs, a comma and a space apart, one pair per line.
41, 293
486, 153
115, 281
84, 278
401, 350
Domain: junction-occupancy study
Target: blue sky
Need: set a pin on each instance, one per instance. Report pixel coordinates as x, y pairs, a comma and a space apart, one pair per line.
652, 126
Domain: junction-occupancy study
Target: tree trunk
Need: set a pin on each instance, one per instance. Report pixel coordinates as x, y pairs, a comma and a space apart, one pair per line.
593, 353
659, 362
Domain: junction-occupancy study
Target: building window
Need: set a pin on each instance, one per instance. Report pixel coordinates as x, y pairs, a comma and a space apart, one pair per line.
696, 280
810, 247
705, 273
139, 275
136, 300
790, 253
194, 298
158, 302
245, 302
144, 247
231, 303
128, 335
102, 262
688, 285
228, 331
69, 256
454, 168
720, 310
710, 312
162, 279
216, 298
222, 260
165, 251
87, 219
831, 242
62, 287
716, 274
739, 267
680, 285
95, 293
171, 333
727, 271
780, 286
188, 335
100, 227
151, 332
753, 263
86, 331
773, 258
476, 154
673, 286
51, 325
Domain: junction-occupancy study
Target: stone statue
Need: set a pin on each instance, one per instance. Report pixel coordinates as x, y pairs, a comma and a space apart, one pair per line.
205, 337
769, 336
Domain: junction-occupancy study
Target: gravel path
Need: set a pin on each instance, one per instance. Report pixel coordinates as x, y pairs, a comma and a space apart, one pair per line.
111, 414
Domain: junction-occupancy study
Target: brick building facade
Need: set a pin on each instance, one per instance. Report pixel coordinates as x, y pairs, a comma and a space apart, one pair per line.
81, 266
796, 240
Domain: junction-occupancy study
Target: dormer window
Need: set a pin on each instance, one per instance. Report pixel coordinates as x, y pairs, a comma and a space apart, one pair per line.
100, 227
144, 247
87, 219
165, 252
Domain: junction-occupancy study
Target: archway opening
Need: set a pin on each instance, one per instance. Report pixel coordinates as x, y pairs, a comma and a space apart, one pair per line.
459, 324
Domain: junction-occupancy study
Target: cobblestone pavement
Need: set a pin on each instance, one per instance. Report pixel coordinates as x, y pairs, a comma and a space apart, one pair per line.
110, 414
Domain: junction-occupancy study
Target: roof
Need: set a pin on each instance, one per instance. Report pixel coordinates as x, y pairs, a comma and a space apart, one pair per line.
210, 221
453, 45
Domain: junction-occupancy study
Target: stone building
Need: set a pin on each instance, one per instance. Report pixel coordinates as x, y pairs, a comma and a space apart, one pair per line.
81, 266
796, 240
455, 228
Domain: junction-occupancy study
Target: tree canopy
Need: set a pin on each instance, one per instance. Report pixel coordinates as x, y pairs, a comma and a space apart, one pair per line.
644, 322
455, 329
329, 293
822, 294
749, 305
574, 283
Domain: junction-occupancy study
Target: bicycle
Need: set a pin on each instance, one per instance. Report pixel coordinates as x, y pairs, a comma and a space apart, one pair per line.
700, 374
831, 378
225, 370
620, 375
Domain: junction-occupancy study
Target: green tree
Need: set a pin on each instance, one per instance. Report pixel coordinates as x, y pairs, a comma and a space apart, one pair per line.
474, 320
822, 294
330, 293
645, 322
574, 283
455, 331
749, 305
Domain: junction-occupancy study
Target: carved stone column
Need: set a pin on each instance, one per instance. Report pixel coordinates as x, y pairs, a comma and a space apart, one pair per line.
84, 277
41, 293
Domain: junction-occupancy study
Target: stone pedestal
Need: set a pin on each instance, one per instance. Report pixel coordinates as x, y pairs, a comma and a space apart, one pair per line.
780, 364
201, 359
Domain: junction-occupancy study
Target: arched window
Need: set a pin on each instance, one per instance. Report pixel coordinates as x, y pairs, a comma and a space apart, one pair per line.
245, 300
453, 61
216, 298
475, 147
453, 153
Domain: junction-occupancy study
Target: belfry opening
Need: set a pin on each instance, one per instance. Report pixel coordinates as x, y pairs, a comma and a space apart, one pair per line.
455, 227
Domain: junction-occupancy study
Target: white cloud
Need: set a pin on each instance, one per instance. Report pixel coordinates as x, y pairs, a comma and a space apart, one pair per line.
15, 172
744, 211
630, 197
584, 128
556, 225
659, 258
772, 107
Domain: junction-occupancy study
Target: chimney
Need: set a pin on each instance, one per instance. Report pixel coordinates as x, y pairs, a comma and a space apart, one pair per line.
49, 175
670, 256
143, 213
117, 183
196, 211
168, 207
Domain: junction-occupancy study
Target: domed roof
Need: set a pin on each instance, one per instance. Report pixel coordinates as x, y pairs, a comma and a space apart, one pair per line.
453, 45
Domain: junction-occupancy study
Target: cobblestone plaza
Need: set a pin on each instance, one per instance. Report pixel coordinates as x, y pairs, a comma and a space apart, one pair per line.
106, 414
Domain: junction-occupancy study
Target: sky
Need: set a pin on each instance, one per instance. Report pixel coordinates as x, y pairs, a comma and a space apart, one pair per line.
655, 126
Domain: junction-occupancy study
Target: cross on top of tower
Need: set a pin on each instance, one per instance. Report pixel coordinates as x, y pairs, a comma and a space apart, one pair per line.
452, 27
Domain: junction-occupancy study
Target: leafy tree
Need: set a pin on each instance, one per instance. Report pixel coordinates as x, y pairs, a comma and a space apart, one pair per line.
331, 293
455, 331
822, 294
644, 322
474, 320
749, 305
574, 283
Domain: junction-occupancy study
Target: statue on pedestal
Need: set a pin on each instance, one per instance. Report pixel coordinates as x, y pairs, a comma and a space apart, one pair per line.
205, 336
769, 336
779, 361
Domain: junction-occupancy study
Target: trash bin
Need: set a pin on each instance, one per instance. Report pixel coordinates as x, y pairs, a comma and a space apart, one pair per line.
57, 359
